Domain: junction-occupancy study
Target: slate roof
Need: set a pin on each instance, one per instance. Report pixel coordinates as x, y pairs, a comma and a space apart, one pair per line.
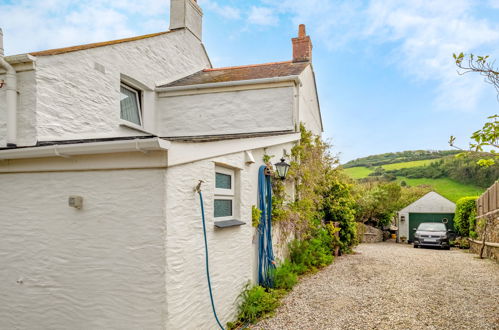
246, 72
94, 45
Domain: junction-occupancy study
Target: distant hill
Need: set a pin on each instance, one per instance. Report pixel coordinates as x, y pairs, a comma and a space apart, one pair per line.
450, 176
399, 157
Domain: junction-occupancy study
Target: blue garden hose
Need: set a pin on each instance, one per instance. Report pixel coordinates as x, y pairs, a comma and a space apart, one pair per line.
266, 263
206, 259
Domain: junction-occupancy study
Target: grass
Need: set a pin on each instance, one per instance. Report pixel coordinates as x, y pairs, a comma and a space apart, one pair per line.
414, 163
357, 172
448, 188
363, 172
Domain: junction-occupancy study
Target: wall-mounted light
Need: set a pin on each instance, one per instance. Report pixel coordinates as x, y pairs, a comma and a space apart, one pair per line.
402, 218
282, 169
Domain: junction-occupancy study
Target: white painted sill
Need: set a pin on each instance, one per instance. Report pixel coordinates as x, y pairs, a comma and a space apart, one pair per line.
124, 123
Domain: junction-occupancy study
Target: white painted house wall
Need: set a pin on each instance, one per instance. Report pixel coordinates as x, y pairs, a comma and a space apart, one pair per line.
233, 251
77, 101
101, 267
133, 257
76, 95
225, 111
432, 202
309, 110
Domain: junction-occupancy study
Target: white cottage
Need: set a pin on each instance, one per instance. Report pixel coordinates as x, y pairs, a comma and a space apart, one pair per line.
432, 207
101, 147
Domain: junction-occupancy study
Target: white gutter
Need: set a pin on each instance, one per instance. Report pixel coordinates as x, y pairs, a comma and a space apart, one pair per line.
294, 78
68, 150
11, 96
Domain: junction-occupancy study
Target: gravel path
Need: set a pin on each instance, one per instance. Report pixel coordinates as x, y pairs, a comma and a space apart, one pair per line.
393, 286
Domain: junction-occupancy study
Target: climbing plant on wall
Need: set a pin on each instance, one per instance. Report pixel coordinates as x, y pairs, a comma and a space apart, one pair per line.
322, 192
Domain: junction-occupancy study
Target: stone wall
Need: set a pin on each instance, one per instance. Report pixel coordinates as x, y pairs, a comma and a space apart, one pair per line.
370, 234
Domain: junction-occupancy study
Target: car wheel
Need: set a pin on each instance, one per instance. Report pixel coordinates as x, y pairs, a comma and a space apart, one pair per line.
447, 248
415, 246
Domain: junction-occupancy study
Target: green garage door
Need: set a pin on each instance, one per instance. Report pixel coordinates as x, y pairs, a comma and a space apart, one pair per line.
416, 218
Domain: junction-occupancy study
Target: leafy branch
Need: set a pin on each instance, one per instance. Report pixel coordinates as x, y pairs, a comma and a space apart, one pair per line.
479, 64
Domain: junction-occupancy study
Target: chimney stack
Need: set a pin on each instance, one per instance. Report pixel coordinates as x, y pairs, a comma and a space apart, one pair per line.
186, 14
302, 46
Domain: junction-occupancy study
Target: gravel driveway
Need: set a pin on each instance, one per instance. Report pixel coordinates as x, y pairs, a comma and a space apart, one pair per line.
393, 286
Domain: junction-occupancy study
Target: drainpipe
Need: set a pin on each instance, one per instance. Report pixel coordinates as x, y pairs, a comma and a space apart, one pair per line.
11, 96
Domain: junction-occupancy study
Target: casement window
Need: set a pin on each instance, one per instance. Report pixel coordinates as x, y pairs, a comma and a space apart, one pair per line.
130, 103
224, 194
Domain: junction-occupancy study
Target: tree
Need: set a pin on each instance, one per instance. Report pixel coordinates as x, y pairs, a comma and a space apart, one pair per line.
485, 138
479, 64
488, 136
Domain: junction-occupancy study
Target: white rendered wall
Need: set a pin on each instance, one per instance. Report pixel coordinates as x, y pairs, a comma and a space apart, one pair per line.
26, 120
76, 100
231, 112
102, 267
233, 250
309, 111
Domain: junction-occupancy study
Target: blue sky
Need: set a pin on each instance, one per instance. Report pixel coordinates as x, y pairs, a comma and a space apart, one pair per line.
384, 68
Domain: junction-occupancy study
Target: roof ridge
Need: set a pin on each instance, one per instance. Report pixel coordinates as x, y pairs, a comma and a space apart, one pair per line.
245, 66
69, 49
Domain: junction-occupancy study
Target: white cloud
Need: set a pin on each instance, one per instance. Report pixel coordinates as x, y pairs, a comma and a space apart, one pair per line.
263, 16
419, 35
224, 11
35, 25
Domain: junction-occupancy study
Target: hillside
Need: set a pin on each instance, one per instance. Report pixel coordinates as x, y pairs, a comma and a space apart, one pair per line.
449, 176
399, 157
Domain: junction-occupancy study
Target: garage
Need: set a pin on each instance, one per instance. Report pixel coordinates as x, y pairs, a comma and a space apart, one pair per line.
416, 218
432, 207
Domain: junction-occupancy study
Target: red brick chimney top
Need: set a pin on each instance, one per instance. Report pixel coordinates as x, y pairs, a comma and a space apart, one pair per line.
302, 46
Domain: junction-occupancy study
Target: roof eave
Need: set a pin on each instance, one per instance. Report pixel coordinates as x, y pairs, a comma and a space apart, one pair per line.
273, 80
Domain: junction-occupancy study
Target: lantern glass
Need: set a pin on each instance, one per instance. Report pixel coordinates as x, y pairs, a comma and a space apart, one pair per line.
282, 169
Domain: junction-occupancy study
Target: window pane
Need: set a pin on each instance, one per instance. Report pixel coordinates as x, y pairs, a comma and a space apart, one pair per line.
223, 181
129, 106
223, 208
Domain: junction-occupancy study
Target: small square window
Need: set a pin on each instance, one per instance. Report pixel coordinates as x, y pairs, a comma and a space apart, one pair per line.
130, 104
223, 208
223, 181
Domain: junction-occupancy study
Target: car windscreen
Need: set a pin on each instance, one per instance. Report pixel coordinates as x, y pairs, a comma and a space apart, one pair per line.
432, 226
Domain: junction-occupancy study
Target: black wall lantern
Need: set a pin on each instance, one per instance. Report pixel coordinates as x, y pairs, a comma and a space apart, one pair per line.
282, 169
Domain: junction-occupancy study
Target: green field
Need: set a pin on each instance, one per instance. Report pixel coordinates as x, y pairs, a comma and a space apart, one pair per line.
415, 163
362, 172
357, 172
448, 188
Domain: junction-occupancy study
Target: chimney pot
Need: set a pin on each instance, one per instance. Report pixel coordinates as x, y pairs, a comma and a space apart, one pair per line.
301, 31
302, 46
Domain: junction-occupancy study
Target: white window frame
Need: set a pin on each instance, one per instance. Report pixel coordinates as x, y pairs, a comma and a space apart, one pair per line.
138, 96
225, 194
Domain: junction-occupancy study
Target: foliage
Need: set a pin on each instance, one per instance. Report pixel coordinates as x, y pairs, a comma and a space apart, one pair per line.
285, 276
338, 205
478, 64
377, 202
256, 302
255, 216
310, 254
446, 187
398, 157
487, 137
464, 219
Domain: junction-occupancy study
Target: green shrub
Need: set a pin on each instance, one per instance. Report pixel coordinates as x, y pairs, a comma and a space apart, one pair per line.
256, 302
285, 276
464, 219
311, 254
